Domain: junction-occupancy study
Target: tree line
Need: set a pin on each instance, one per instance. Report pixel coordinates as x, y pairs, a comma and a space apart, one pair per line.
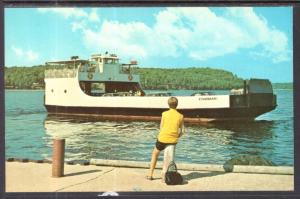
150, 78
187, 78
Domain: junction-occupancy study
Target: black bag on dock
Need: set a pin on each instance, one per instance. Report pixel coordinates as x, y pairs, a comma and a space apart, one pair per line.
172, 177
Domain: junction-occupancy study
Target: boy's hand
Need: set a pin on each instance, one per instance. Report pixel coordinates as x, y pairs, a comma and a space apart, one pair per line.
180, 134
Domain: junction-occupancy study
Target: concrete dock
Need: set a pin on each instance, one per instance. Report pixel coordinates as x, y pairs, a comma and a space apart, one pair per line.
36, 177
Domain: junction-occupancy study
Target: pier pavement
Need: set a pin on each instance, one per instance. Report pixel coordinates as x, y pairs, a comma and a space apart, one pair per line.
36, 177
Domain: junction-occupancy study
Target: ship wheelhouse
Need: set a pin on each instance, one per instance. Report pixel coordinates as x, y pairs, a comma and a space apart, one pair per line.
102, 75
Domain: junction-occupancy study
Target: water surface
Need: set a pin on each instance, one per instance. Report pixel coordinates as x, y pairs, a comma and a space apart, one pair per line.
29, 132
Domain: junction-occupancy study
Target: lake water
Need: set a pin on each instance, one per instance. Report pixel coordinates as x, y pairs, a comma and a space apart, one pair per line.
29, 132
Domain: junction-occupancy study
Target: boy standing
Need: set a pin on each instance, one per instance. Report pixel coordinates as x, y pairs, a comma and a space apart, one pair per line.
171, 128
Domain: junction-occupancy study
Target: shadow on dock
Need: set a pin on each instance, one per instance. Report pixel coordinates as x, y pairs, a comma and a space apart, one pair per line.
194, 175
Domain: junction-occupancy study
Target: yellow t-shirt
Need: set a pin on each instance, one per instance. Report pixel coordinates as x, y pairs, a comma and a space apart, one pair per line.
171, 122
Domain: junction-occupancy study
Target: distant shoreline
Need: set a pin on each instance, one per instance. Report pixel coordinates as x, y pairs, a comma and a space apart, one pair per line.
193, 78
10, 89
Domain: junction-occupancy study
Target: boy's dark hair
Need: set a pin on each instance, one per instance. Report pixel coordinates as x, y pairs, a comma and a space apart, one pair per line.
173, 102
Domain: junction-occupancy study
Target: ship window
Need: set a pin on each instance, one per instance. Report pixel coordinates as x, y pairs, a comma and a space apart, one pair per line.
65, 91
108, 61
111, 61
92, 88
125, 69
52, 90
91, 68
81, 67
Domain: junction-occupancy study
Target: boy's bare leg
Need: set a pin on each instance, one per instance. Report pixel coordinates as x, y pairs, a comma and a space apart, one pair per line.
155, 155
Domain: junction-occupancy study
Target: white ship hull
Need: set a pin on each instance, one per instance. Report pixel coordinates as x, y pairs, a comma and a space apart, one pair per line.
64, 96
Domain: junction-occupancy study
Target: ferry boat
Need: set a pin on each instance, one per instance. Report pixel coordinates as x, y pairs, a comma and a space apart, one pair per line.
105, 88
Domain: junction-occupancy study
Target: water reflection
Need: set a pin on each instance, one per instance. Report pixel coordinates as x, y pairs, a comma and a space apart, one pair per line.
258, 130
215, 143
92, 138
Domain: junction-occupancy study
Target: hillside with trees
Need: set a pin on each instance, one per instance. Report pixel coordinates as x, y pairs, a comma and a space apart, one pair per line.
24, 77
188, 78
151, 78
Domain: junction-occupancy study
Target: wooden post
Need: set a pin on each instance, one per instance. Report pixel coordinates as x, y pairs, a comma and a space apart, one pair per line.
58, 158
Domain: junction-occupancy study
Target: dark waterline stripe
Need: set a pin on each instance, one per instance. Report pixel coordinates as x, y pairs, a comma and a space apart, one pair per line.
191, 115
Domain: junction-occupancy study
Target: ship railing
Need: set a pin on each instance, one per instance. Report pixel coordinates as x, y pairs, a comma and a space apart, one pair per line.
60, 73
154, 94
118, 94
202, 93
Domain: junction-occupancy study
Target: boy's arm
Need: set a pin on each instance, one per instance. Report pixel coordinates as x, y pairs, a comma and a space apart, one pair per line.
161, 122
181, 129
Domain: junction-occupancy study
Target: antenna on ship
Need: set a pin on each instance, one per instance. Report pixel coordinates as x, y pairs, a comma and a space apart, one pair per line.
74, 58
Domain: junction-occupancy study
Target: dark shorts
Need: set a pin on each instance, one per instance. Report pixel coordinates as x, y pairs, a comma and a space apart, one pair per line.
161, 146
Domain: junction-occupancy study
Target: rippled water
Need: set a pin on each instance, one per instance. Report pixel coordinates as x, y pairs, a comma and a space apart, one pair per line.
29, 133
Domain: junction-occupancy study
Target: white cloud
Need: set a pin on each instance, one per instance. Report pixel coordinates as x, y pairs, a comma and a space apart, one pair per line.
76, 13
274, 42
197, 32
79, 17
93, 16
18, 51
31, 56
276, 46
78, 25
65, 12
28, 56
116, 37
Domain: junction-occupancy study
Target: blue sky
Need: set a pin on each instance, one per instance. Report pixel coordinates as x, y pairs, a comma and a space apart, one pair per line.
248, 41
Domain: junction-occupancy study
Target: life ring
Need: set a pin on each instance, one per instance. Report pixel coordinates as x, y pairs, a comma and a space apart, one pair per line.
90, 75
130, 77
